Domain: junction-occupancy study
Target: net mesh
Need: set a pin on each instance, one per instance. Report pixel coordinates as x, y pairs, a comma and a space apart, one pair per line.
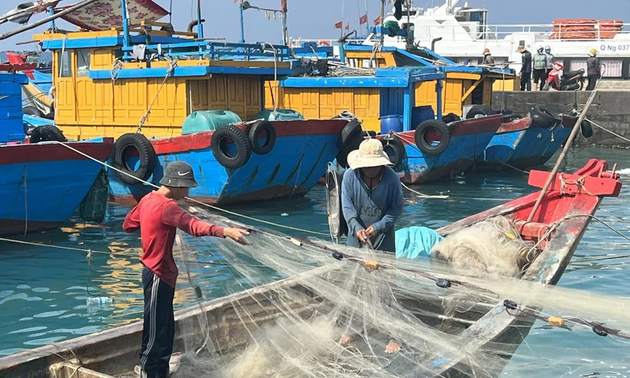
295, 310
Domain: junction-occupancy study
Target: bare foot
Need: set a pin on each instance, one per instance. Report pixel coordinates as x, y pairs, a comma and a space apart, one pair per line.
345, 339
392, 347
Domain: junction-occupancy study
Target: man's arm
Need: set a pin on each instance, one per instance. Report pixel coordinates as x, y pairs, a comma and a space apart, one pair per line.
347, 205
173, 215
132, 221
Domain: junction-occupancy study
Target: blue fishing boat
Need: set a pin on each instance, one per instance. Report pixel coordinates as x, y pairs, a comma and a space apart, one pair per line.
41, 184
167, 95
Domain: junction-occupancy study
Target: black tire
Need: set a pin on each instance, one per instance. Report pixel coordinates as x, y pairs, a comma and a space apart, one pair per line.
349, 140
259, 129
243, 147
47, 134
450, 117
395, 149
31, 110
479, 110
146, 154
586, 128
544, 117
511, 117
426, 147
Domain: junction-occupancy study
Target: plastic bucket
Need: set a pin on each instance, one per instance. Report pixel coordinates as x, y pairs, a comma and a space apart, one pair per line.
391, 122
420, 114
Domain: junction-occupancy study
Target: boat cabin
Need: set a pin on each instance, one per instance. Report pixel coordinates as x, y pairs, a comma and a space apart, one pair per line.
115, 81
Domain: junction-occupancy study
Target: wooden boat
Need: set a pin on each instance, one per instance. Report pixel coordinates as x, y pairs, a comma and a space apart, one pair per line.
563, 217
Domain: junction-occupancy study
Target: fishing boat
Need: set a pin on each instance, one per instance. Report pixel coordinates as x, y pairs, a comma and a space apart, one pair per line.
169, 95
41, 184
556, 226
36, 99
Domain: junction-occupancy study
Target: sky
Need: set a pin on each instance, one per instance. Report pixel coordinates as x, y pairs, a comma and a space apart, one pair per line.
311, 19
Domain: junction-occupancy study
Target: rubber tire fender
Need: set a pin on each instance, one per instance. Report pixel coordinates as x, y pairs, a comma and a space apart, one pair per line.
146, 153
243, 146
395, 149
47, 133
586, 128
349, 140
479, 109
426, 126
544, 117
255, 133
451, 117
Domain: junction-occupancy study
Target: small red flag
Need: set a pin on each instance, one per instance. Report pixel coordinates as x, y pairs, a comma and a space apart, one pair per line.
339, 25
377, 20
348, 27
363, 19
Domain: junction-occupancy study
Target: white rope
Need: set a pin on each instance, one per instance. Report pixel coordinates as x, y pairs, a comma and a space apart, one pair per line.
608, 131
171, 67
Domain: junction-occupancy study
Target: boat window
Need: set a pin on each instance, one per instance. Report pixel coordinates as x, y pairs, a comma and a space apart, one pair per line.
83, 63
612, 68
476, 16
66, 64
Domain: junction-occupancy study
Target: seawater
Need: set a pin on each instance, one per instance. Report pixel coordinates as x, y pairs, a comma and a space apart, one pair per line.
43, 290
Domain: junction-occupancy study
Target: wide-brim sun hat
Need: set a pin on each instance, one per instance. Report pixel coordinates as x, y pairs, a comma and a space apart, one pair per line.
370, 154
179, 175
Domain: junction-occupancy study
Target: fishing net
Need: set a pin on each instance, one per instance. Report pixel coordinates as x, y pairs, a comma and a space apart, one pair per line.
310, 308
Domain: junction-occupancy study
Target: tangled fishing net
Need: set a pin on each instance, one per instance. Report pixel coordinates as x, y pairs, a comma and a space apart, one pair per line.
294, 300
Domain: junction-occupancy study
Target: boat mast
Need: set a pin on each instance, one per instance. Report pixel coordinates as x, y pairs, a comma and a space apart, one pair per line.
125, 22
285, 28
407, 36
382, 19
199, 25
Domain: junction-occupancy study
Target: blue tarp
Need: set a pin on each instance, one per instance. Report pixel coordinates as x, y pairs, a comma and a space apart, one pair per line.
415, 242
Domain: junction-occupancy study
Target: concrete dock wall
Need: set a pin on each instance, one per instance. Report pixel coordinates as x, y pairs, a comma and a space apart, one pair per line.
611, 109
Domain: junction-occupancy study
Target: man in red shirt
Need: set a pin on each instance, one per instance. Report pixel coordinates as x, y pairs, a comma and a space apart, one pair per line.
158, 217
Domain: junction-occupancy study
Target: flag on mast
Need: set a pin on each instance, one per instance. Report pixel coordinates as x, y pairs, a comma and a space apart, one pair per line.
363, 19
339, 25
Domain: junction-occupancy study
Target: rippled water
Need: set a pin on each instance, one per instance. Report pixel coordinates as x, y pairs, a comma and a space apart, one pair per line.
43, 290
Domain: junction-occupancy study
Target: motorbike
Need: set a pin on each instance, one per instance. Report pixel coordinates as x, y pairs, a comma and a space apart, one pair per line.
560, 80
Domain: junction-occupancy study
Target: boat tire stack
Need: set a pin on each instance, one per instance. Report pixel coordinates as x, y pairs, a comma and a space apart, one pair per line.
242, 142
47, 133
544, 117
146, 154
349, 140
259, 130
426, 146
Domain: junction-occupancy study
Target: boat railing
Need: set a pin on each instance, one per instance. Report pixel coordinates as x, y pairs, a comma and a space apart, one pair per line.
217, 51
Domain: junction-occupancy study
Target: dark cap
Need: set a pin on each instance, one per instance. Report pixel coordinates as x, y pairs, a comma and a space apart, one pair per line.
179, 175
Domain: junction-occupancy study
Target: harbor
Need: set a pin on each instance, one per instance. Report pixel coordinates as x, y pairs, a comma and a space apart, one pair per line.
239, 178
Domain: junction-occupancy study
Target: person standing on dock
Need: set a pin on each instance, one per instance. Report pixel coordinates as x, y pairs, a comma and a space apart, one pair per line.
540, 69
526, 68
158, 217
488, 59
593, 69
371, 197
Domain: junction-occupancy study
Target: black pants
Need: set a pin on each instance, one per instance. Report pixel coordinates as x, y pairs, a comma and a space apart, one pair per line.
526, 81
158, 331
592, 80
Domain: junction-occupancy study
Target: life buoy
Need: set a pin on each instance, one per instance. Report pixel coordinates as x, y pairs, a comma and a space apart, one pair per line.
262, 129
349, 140
322, 43
336, 220
395, 149
544, 117
422, 132
47, 133
123, 152
238, 137
479, 110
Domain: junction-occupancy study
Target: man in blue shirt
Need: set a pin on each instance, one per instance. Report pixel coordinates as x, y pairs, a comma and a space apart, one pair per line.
371, 197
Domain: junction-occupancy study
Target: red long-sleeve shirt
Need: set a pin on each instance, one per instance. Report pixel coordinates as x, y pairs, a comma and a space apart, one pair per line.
158, 219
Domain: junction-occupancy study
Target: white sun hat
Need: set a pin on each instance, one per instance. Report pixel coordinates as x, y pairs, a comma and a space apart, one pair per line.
369, 154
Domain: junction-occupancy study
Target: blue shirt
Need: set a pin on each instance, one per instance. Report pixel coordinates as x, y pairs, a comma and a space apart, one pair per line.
379, 207
413, 242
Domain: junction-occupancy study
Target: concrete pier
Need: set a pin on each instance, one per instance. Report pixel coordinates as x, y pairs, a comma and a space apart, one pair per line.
611, 110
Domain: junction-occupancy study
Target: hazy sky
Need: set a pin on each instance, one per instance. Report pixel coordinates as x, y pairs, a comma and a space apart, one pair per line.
315, 19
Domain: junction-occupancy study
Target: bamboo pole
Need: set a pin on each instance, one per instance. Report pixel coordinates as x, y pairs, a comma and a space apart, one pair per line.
45, 20
567, 145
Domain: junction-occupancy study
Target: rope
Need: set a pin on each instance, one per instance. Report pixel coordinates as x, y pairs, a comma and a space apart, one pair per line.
578, 182
171, 67
117, 66
274, 98
422, 195
608, 131
192, 199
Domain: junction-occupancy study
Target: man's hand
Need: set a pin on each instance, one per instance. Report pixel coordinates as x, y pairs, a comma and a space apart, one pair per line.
362, 235
370, 231
237, 234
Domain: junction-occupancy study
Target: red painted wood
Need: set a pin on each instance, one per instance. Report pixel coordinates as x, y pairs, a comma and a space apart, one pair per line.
516, 125
28, 153
479, 125
587, 180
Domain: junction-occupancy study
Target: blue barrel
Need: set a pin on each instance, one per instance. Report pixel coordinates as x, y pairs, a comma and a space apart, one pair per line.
391, 122
208, 120
11, 123
420, 114
279, 115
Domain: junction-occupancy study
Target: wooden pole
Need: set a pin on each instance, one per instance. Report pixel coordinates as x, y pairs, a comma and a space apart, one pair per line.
45, 20
567, 145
